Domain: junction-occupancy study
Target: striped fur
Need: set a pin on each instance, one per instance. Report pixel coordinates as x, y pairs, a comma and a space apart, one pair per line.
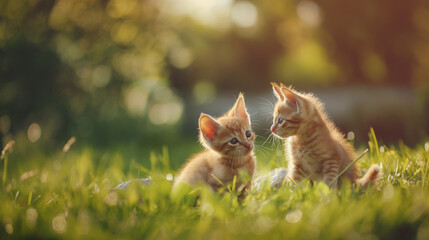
221, 158
315, 148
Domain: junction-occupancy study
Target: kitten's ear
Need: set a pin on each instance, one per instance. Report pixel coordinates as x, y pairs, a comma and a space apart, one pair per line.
239, 109
208, 126
277, 92
291, 97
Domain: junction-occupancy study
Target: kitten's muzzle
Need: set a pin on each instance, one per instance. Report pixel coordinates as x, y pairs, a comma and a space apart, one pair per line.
273, 128
248, 146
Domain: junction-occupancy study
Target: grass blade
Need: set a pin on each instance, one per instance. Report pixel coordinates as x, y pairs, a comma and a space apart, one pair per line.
217, 179
348, 166
30, 196
4, 170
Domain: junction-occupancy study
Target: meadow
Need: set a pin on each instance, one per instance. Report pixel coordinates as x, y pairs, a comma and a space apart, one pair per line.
68, 195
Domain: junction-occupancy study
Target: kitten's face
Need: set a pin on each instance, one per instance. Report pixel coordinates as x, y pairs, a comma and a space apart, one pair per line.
286, 121
287, 117
229, 135
235, 137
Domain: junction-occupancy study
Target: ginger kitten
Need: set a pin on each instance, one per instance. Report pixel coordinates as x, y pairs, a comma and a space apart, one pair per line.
315, 147
229, 143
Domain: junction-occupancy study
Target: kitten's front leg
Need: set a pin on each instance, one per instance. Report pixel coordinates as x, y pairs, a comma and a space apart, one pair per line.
296, 173
330, 172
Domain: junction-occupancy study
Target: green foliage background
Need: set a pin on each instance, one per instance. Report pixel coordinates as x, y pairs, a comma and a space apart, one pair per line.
127, 70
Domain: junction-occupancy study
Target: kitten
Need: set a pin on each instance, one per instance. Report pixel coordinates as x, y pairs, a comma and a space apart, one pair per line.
315, 147
229, 143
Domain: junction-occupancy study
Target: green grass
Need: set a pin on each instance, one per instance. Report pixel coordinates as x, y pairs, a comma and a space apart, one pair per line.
68, 195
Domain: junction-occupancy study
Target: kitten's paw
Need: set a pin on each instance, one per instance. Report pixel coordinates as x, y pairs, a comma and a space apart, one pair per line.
278, 177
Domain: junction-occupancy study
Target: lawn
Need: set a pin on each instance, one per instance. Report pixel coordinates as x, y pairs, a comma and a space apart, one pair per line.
68, 195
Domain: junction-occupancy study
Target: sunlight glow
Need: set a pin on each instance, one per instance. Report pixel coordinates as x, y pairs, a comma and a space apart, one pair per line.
244, 14
208, 12
309, 13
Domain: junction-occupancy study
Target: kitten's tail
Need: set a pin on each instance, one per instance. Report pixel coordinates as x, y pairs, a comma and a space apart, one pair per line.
370, 177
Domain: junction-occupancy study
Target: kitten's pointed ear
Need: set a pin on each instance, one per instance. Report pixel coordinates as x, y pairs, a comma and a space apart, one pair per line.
290, 97
239, 108
208, 126
277, 92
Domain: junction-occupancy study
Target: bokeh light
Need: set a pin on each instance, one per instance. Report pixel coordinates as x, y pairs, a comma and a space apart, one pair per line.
121, 8
124, 32
101, 76
31, 217
244, 14
59, 224
204, 92
180, 57
294, 216
309, 12
212, 13
169, 177
350, 136
165, 113
34, 132
136, 100
8, 228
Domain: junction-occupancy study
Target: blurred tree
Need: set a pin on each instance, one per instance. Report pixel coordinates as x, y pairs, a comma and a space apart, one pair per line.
80, 68
105, 68
373, 40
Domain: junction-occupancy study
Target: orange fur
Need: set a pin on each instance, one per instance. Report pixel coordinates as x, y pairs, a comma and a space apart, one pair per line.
315, 147
222, 158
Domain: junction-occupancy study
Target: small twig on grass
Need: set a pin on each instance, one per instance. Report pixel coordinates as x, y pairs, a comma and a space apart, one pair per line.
8, 147
69, 143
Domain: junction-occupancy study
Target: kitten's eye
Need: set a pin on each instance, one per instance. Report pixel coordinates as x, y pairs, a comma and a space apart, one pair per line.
248, 134
281, 121
233, 141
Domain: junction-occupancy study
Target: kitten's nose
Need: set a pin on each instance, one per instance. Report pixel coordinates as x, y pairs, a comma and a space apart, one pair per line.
247, 145
273, 128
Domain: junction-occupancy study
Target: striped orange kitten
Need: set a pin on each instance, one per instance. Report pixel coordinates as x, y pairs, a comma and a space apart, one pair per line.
229, 149
314, 146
